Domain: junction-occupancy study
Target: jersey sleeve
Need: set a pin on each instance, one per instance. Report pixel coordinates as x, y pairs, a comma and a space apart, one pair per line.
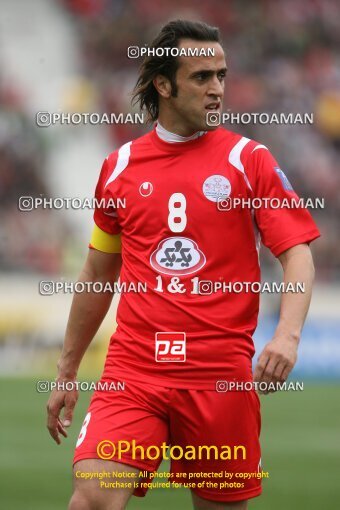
106, 231
281, 228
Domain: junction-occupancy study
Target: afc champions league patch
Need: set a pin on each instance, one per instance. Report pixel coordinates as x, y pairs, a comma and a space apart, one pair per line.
283, 178
177, 256
216, 188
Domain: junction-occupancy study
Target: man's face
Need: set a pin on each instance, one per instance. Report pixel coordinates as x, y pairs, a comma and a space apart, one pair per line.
200, 88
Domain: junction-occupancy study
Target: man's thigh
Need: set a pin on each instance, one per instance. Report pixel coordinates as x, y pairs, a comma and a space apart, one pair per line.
224, 430
94, 488
135, 415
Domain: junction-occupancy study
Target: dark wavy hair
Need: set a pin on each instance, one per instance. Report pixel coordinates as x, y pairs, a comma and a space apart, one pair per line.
145, 92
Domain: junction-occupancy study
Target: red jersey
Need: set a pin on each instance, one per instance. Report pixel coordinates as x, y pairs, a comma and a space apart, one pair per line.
176, 238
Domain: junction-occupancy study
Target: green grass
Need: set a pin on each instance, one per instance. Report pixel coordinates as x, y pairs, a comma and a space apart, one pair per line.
300, 449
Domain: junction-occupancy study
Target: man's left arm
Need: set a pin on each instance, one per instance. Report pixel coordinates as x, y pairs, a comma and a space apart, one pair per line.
280, 354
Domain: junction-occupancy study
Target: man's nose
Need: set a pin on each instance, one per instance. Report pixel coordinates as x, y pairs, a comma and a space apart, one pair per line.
215, 87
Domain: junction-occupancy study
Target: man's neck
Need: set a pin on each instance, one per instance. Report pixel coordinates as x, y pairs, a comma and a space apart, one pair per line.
168, 136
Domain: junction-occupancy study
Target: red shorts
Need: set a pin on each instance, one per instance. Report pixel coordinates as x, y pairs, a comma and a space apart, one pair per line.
152, 416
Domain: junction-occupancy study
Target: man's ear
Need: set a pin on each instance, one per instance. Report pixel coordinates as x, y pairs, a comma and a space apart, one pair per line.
163, 86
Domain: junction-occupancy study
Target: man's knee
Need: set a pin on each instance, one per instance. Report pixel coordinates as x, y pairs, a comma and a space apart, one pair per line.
79, 501
86, 500
205, 504
88, 494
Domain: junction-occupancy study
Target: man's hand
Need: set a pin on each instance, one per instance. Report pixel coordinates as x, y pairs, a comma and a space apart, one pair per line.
87, 313
280, 354
60, 399
276, 360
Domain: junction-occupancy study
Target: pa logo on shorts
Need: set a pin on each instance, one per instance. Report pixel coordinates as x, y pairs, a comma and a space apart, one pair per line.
170, 346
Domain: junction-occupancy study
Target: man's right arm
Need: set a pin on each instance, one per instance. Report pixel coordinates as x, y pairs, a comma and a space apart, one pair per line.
87, 313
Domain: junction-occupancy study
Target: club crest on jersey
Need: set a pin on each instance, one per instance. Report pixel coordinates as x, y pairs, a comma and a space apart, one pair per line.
145, 189
177, 256
216, 188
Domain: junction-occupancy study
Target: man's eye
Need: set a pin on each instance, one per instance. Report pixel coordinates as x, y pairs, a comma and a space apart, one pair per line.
221, 76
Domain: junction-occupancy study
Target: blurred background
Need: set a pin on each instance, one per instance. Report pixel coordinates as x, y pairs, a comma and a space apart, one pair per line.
71, 56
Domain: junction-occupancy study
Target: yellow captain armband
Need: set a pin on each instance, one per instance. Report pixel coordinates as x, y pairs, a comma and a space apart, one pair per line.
102, 241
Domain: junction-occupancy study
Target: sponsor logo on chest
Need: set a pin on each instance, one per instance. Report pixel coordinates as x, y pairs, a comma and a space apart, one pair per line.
177, 256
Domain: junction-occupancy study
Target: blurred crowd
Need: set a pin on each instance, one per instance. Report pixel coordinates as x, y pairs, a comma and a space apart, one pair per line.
29, 241
282, 57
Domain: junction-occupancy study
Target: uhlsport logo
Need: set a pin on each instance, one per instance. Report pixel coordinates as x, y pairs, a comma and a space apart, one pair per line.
145, 189
170, 346
216, 187
177, 256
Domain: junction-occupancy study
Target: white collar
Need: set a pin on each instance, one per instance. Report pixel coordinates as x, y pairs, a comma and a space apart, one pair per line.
169, 137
